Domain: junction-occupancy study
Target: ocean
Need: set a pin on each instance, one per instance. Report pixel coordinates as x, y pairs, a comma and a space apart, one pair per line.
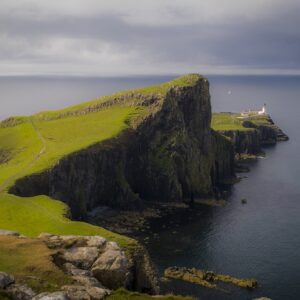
259, 239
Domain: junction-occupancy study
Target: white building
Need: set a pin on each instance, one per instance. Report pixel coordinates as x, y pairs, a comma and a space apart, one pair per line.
263, 111
247, 113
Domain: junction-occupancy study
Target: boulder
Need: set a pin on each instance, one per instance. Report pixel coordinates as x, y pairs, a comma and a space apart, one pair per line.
78, 292
72, 270
6, 280
96, 241
69, 241
20, 292
97, 293
112, 267
87, 281
52, 296
82, 257
9, 232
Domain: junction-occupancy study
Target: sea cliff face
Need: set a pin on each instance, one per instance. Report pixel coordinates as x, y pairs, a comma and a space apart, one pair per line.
171, 154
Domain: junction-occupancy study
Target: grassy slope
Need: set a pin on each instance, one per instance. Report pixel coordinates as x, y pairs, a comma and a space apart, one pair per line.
36, 143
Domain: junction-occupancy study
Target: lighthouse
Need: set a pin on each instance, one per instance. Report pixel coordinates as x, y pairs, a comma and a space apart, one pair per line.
263, 111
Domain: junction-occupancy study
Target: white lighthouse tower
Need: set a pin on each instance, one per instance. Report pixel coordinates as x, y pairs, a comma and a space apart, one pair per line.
263, 111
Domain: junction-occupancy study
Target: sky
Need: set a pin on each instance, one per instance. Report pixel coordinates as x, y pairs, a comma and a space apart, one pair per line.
142, 37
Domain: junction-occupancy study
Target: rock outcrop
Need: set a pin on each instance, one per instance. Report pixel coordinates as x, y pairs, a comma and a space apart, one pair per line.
171, 154
95, 267
92, 261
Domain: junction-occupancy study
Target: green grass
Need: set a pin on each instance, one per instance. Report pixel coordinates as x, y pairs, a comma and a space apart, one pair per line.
122, 294
29, 145
33, 215
227, 121
260, 120
230, 121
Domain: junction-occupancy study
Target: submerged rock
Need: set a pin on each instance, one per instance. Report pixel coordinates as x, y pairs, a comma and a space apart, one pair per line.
205, 278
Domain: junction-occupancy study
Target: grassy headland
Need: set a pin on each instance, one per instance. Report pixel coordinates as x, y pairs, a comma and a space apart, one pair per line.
30, 145
33, 144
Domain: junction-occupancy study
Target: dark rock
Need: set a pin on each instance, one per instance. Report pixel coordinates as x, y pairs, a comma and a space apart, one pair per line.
20, 292
6, 280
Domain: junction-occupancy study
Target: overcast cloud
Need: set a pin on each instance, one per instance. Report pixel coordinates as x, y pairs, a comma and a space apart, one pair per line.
127, 37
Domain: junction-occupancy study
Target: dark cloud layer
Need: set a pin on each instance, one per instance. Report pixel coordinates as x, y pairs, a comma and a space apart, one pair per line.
37, 39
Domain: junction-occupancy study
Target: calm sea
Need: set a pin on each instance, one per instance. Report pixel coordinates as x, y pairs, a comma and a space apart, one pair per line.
259, 239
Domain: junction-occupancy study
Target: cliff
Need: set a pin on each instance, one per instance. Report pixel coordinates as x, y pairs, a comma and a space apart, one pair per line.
168, 153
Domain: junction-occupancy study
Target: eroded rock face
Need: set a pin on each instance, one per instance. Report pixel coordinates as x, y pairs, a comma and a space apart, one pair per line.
251, 142
112, 267
6, 280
